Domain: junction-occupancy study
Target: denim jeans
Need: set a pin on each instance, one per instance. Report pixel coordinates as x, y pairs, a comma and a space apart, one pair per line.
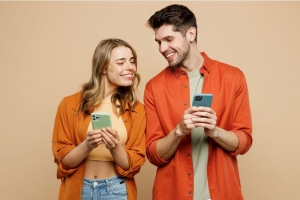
113, 188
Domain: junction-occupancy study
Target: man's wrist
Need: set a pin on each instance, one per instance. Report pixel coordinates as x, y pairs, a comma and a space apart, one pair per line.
215, 134
178, 131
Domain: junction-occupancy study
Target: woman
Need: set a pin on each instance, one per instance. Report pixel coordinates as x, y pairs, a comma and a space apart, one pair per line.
101, 164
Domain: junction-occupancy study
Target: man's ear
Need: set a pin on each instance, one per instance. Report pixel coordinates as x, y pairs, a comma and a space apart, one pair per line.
191, 34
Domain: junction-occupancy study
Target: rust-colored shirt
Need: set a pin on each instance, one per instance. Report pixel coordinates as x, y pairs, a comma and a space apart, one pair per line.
70, 130
166, 98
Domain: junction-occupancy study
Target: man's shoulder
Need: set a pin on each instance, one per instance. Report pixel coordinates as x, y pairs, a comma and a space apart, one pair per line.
161, 76
226, 68
215, 64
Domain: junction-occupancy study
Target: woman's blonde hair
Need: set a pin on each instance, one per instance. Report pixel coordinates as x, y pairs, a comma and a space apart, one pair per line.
93, 90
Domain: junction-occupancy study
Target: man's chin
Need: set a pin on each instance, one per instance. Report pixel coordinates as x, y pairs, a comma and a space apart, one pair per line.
173, 64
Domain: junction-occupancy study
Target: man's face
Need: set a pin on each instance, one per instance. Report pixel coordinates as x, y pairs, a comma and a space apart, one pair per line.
172, 45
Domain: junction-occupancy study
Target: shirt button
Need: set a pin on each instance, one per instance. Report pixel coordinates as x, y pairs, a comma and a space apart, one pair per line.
185, 103
189, 173
186, 86
125, 120
190, 192
182, 72
188, 154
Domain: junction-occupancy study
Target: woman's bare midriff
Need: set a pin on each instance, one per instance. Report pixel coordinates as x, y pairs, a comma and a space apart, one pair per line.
99, 169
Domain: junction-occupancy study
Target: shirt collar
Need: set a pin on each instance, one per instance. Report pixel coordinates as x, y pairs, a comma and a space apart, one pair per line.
207, 63
206, 67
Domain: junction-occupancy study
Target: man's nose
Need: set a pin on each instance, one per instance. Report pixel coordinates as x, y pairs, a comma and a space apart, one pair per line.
163, 47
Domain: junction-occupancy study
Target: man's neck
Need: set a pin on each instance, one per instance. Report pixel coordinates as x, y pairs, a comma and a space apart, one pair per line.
193, 61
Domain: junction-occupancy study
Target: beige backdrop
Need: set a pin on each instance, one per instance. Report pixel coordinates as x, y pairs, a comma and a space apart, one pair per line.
45, 54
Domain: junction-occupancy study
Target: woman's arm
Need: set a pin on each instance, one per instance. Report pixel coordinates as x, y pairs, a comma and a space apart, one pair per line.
78, 154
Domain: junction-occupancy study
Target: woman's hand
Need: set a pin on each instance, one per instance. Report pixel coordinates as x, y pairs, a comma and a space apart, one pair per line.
110, 137
94, 138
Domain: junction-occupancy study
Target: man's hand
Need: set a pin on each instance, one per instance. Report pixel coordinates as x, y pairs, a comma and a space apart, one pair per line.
207, 118
187, 123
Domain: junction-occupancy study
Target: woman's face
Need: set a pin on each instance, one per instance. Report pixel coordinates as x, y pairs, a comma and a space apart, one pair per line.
121, 68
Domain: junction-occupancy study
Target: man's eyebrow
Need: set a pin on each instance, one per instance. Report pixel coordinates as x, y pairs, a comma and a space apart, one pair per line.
164, 38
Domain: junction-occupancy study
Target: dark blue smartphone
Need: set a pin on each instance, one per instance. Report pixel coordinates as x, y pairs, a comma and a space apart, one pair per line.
204, 100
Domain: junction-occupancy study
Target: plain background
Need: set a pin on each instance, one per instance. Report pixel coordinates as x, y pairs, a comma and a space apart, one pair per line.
46, 50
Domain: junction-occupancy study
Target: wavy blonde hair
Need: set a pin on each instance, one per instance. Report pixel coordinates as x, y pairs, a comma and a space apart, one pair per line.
93, 90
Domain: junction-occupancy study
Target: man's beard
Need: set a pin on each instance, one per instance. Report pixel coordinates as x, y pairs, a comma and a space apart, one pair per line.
185, 51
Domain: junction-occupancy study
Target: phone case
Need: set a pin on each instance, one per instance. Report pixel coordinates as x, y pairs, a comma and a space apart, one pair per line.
100, 120
202, 100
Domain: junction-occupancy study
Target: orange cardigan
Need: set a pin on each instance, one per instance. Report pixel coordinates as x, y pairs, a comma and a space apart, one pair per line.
166, 98
70, 130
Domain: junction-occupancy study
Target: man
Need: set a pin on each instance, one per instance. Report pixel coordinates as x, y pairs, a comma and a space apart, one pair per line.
194, 148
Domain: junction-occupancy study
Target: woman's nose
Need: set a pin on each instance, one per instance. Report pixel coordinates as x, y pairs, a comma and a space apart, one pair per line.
130, 66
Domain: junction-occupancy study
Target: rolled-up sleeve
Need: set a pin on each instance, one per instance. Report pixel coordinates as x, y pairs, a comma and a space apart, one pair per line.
242, 123
154, 130
61, 140
135, 147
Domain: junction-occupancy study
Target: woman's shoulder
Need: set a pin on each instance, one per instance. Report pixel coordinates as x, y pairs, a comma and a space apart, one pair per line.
139, 106
73, 97
71, 101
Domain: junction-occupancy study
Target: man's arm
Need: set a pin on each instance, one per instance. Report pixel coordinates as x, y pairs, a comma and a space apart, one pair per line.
167, 146
226, 139
206, 117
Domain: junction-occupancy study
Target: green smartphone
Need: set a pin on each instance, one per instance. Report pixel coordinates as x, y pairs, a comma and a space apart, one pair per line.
204, 100
100, 120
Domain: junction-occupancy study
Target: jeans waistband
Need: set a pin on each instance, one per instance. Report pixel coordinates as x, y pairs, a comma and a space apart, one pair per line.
99, 181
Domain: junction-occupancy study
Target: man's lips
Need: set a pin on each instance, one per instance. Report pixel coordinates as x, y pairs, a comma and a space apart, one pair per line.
169, 56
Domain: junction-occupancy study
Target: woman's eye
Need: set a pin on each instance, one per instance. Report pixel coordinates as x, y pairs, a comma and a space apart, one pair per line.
120, 63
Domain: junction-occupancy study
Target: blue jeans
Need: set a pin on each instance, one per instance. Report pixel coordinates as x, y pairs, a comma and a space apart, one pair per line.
113, 188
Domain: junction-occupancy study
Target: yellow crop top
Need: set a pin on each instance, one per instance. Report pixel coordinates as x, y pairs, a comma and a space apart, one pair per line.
101, 153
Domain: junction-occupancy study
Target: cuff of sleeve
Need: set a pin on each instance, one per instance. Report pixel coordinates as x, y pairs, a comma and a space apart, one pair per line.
242, 142
62, 173
153, 156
